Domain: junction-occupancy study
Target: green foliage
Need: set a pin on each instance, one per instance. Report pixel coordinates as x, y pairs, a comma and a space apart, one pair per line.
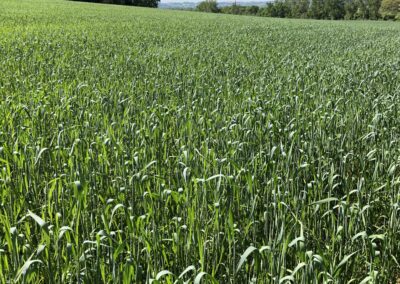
315, 9
152, 146
240, 10
390, 9
278, 10
324, 9
209, 6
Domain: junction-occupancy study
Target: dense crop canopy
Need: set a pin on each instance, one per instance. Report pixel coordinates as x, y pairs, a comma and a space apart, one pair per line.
140, 144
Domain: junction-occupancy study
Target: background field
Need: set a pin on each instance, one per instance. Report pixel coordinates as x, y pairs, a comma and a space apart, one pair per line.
136, 143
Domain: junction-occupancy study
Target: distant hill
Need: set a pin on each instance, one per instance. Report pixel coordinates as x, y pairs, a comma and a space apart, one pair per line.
192, 5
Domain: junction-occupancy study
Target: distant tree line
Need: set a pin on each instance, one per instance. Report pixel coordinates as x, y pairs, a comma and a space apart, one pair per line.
240, 10
314, 9
142, 3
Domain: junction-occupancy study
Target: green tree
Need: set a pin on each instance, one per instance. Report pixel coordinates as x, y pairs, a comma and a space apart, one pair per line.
367, 9
145, 3
373, 9
334, 9
316, 10
302, 8
209, 6
279, 9
350, 10
390, 9
252, 10
298, 8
